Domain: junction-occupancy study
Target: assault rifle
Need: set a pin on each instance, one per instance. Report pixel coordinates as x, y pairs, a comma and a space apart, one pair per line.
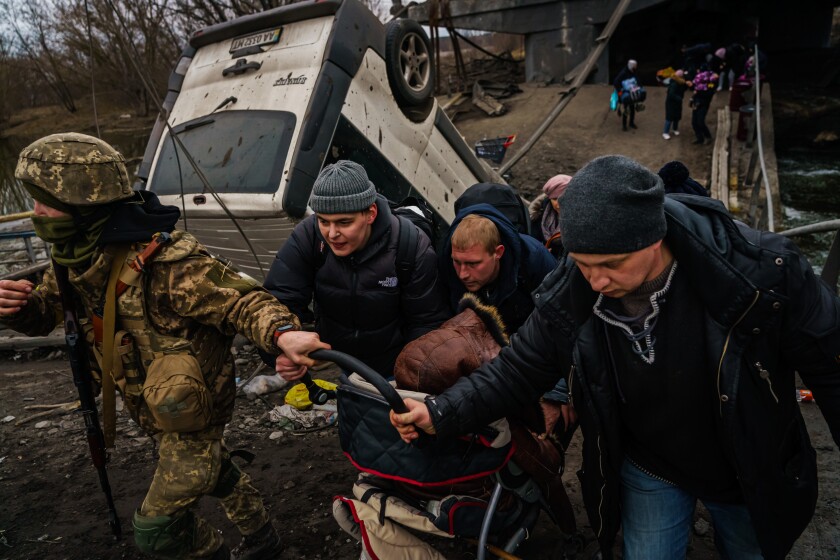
77, 348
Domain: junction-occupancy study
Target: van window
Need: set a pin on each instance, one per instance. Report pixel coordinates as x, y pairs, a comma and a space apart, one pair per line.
238, 152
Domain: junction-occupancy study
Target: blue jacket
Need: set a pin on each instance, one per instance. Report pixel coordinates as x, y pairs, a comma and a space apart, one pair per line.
523, 266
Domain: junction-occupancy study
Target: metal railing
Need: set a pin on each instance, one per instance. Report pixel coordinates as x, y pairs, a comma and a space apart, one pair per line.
831, 268
32, 263
759, 181
767, 194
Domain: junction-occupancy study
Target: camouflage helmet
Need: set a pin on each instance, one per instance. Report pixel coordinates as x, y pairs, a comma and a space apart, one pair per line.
76, 169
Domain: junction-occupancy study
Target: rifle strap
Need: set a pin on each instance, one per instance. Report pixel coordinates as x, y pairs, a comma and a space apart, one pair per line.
130, 275
109, 404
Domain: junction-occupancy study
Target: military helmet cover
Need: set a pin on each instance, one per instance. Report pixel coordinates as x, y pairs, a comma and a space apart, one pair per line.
76, 169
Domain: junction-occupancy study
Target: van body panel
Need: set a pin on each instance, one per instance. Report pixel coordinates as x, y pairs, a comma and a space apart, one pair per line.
319, 125
259, 21
268, 116
287, 76
221, 237
419, 151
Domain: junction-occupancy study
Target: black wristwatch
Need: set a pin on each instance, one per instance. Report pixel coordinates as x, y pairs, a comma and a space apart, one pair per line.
280, 330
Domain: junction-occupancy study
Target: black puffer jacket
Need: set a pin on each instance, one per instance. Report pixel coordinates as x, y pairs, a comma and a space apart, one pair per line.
767, 316
359, 307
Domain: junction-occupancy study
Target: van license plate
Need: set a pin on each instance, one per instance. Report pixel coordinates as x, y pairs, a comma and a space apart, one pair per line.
256, 40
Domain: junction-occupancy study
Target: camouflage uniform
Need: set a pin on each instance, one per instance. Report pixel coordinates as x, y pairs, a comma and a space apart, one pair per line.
186, 302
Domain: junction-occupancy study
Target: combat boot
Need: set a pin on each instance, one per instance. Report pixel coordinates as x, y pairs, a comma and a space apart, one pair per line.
265, 544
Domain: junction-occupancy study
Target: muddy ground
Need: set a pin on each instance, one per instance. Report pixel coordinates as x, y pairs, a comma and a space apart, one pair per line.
53, 508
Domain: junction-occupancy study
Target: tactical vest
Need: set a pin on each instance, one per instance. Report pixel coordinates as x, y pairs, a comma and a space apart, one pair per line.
139, 345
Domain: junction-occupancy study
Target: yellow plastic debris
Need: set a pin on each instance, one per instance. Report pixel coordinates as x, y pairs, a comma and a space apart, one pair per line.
298, 396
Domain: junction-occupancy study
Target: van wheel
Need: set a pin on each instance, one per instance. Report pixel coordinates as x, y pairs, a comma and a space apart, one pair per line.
408, 60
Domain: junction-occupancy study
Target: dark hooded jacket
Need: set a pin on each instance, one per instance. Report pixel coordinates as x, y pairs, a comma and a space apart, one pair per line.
359, 308
766, 317
524, 264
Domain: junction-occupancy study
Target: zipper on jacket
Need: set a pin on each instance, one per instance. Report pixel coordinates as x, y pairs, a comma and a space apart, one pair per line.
765, 375
571, 385
726, 347
647, 472
603, 489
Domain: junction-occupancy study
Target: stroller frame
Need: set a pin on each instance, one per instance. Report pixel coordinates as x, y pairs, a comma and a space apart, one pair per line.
509, 476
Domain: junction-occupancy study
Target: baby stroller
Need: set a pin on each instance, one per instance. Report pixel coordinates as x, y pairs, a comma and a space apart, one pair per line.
400, 485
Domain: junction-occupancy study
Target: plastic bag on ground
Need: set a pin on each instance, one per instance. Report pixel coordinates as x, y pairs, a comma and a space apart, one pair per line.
262, 385
290, 418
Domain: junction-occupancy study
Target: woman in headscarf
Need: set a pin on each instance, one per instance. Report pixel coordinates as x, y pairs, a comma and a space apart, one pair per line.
545, 214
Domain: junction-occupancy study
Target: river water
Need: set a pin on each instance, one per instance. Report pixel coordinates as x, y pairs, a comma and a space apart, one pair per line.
810, 189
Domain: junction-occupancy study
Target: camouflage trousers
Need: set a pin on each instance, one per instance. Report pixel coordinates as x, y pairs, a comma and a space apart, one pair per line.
188, 469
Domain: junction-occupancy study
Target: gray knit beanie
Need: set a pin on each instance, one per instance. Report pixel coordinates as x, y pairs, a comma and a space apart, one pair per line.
613, 205
342, 187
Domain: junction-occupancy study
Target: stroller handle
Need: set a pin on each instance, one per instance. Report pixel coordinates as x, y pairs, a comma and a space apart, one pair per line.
350, 363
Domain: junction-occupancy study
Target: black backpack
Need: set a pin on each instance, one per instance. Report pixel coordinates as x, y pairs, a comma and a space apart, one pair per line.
503, 198
418, 212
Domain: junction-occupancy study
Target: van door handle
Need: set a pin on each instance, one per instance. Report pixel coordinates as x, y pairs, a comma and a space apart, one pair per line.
242, 65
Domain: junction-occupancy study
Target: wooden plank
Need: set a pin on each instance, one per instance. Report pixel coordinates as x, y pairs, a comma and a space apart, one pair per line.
27, 271
32, 342
720, 159
723, 170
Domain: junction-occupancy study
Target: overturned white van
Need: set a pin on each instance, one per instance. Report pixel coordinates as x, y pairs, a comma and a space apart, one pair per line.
258, 105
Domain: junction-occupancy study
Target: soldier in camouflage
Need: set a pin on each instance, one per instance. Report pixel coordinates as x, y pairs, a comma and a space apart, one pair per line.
175, 325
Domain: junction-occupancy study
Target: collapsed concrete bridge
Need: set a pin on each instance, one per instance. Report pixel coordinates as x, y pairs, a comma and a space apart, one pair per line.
560, 33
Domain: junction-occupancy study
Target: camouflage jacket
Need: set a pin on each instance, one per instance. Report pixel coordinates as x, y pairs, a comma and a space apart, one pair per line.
185, 295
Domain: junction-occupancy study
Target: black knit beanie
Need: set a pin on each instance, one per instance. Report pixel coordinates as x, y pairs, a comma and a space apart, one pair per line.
674, 174
613, 205
342, 187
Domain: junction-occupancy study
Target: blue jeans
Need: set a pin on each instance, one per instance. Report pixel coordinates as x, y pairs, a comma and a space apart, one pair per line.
656, 519
668, 124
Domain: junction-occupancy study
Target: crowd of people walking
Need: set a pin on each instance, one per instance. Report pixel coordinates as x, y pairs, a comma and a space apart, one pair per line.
700, 70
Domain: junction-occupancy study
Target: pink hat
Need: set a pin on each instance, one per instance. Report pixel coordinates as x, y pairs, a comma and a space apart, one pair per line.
720, 53
556, 186
680, 73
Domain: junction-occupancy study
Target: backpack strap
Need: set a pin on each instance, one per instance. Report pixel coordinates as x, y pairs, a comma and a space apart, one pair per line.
407, 241
130, 276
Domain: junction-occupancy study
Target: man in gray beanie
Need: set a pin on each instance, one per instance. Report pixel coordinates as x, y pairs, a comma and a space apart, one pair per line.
682, 331
344, 257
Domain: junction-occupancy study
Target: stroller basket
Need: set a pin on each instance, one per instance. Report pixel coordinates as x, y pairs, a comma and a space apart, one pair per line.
494, 149
374, 446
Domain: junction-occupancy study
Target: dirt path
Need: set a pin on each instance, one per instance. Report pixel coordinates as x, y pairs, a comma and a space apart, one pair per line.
584, 130
53, 509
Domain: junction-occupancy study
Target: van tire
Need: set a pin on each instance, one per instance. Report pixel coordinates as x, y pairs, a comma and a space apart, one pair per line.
408, 60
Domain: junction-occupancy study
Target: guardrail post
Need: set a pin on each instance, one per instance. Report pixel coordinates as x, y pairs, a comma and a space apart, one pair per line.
29, 250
